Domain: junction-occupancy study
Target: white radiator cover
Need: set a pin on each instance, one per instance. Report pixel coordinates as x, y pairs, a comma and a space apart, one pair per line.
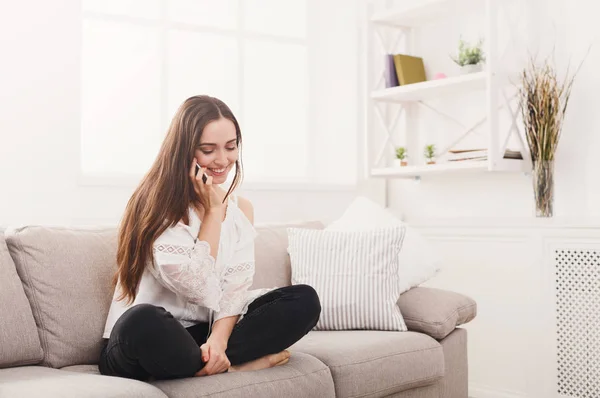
578, 322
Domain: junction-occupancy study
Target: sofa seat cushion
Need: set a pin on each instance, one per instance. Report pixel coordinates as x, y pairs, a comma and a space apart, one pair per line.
375, 363
19, 339
303, 376
89, 369
39, 381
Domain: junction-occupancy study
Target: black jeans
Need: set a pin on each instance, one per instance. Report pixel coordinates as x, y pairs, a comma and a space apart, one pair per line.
146, 341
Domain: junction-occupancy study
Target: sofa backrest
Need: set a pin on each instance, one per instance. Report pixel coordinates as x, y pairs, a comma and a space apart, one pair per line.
19, 340
272, 259
67, 273
67, 276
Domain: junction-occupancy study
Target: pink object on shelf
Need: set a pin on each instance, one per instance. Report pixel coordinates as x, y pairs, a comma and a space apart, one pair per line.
439, 75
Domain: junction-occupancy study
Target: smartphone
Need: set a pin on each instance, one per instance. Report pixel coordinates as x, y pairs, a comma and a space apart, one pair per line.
204, 176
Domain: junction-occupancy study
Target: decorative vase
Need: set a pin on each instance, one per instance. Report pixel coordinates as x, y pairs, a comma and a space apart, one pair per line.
466, 69
543, 187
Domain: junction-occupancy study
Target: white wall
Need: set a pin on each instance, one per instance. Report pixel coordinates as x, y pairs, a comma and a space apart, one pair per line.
40, 43
39, 118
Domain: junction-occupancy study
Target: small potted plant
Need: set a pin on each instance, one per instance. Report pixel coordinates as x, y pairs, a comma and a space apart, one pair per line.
401, 154
430, 153
470, 58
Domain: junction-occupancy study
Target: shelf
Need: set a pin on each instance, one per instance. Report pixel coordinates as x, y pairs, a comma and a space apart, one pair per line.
485, 88
444, 168
415, 16
432, 89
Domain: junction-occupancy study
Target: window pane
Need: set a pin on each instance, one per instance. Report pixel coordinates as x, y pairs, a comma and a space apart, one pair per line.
214, 13
275, 101
277, 17
149, 9
202, 63
120, 97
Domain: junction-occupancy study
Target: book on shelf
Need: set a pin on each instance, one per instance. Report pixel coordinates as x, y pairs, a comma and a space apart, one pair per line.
457, 155
476, 158
409, 69
389, 72
510, 154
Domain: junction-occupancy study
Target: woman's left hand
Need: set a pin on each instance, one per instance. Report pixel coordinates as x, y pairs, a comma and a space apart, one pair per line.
214, 357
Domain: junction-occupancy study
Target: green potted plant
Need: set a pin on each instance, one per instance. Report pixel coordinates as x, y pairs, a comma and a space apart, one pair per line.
401, 154
470, 58
430, 153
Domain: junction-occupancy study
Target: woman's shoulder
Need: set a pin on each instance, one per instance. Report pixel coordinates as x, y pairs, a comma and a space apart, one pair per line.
241, 203
244, 221
246, 207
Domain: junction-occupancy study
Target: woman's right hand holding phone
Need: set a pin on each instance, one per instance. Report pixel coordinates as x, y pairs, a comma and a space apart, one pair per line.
212, 201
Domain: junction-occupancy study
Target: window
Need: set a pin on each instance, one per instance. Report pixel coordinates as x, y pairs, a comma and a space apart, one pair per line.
142, 58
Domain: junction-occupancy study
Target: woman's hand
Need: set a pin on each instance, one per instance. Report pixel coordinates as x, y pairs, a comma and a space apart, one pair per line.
211, 200
214, 357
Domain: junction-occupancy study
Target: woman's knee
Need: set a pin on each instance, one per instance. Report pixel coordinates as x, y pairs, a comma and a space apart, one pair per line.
139, 318
145, 312
309, 300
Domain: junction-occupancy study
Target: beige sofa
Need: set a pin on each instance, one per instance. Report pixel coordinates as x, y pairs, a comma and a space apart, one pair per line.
55, 293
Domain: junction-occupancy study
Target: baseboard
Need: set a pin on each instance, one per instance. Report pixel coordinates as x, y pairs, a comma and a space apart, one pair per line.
477, 391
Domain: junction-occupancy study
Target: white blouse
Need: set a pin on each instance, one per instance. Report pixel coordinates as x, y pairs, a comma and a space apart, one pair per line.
187, 281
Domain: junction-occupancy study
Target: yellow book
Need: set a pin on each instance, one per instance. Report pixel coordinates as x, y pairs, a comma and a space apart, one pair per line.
409, 69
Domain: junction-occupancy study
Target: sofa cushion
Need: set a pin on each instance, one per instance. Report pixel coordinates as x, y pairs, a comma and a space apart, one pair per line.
89, 369
430, 391
39, 381
435, 312
375, 363
67, 277
273, 267
19, 340
418, 261
302, 376
355, 274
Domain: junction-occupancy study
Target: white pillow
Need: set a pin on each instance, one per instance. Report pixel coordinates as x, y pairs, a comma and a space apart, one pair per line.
418, 261
355, 275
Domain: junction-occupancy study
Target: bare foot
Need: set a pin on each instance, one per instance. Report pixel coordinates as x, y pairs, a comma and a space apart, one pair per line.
268, 361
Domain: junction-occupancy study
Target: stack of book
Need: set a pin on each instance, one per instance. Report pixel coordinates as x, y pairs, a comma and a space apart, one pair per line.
457, 155
510, 154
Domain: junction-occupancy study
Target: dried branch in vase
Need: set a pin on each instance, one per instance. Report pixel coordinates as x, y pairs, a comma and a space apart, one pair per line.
543, 101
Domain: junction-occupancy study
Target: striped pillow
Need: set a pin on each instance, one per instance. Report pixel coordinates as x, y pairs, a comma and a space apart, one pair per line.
355, 274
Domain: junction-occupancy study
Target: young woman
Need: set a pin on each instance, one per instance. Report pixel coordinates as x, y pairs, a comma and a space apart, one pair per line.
182, 305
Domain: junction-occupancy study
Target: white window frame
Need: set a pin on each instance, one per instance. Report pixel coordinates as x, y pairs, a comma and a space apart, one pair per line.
123, 180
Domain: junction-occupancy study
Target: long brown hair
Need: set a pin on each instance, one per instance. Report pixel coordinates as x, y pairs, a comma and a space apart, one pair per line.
166, 192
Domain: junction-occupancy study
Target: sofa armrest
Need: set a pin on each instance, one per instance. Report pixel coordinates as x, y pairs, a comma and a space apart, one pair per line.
435, 312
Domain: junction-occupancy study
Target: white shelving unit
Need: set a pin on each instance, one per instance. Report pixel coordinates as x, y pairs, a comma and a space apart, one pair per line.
508, 165
414, 16
432, 89
485, 83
